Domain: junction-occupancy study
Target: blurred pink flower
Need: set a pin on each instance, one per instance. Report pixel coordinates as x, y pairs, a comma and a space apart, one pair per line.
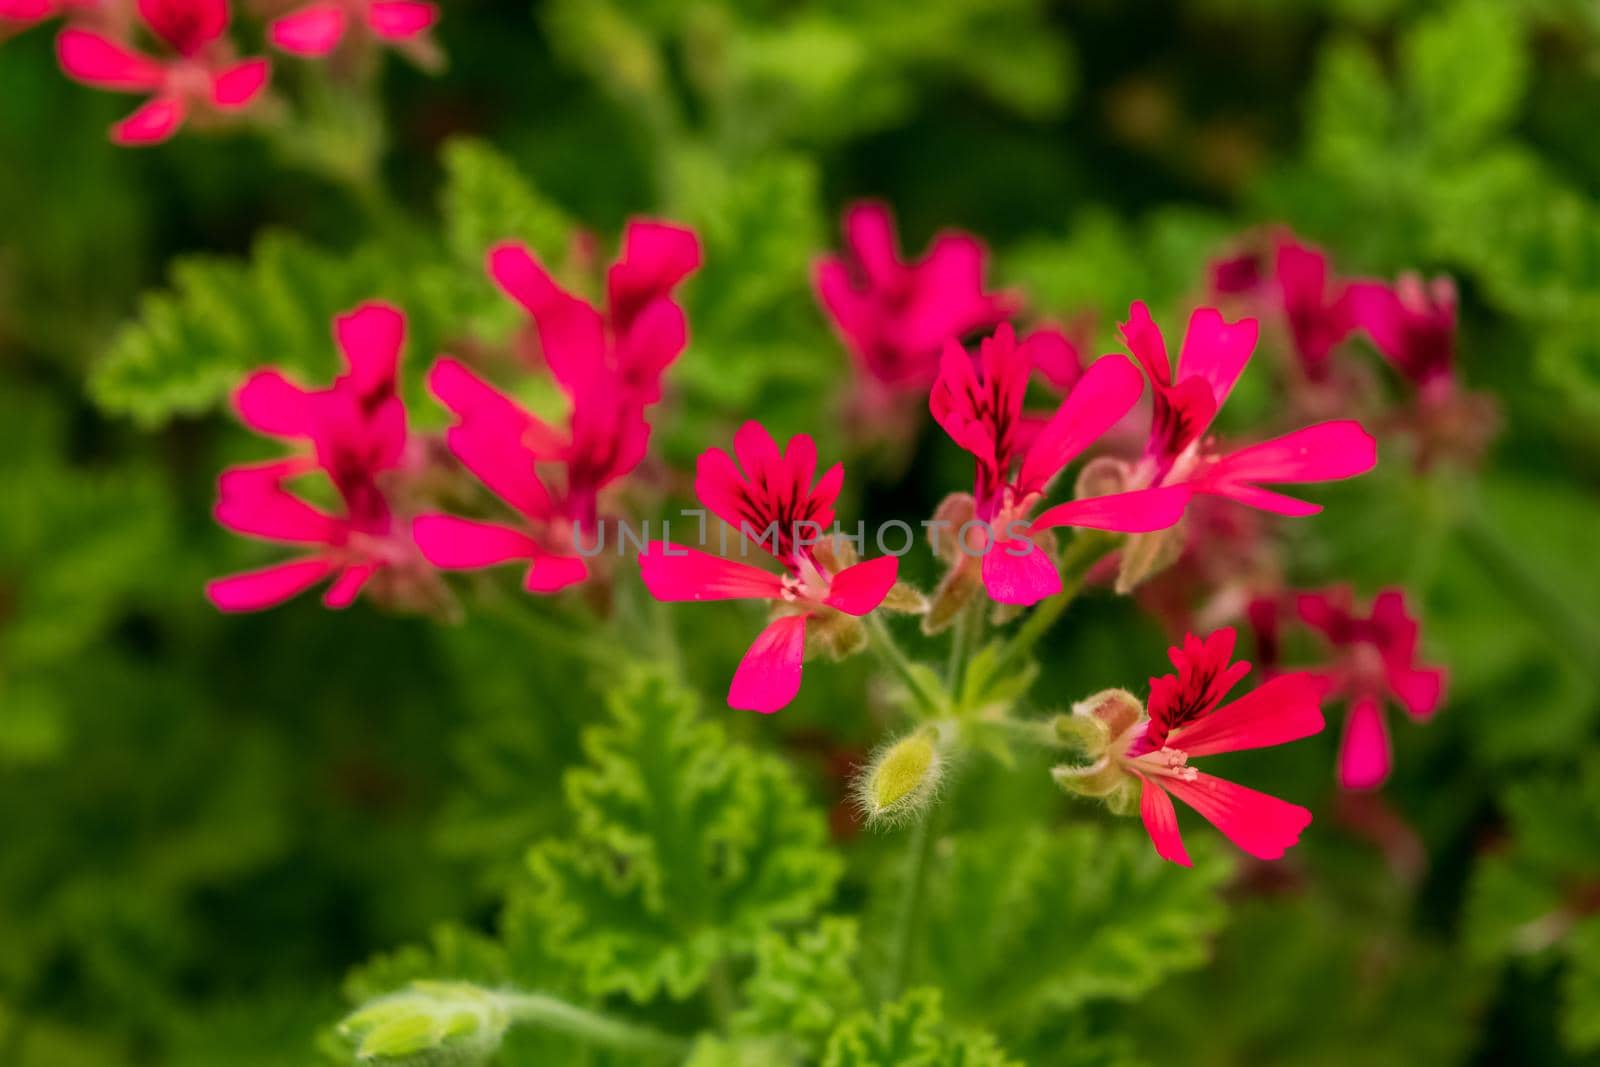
1179, 452
980, 407
1413, 325
203, 77
1313, 303
1187, 719
610, 366
357, 432
893, 316
318, 28
775, 503
1376, 661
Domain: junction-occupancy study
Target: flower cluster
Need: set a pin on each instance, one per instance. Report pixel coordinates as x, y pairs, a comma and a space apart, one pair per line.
180, 55
1160, 485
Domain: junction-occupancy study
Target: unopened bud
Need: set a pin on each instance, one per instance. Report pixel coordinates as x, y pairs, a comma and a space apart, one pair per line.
836, 635
1116, 709
1148, 554
902, 778
1101, 476
960, 584
427, 1024
905, 599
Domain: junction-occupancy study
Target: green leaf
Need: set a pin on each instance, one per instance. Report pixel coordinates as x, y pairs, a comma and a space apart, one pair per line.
911, 1032
805, 985
191, 345
1465, 68
486, 199
1021, 923
686, 849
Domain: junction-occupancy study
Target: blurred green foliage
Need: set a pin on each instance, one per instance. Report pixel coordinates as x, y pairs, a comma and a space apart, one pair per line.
217, 829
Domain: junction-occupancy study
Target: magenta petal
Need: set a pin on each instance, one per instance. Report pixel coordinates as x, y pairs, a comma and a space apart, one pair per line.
101, 62
1161, 823
475, 401
187, 25
503, 466
236, 86
1259, 823
1216, 351
1364, 756
656, 256
859, 589
1281, 710
269, 403
252, 500
151, 124
1138, 511
552, 573
270, 586
1105, 393
1325, 452
370, 338
314, 30
1420, 690
570, 330
396, 20
348, 585
1019, 579
672, 572
465, 544
769, 675
869, 231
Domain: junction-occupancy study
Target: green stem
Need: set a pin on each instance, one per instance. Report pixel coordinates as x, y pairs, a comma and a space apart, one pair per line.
537, 1009
905, 930
547, 633
960, 643
719, 987
888, 650
1083, 552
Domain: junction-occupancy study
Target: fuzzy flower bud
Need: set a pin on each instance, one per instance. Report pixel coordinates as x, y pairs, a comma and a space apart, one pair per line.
902, 778
1089, 733
428, 1024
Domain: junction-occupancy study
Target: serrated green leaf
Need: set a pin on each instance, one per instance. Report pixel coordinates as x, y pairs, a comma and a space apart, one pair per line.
803, 986
911, 1032
1023, 923
686, 849
486, 199
1465, 68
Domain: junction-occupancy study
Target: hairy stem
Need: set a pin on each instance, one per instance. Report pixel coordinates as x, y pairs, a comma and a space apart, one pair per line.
889, 651
1082, 553
537, 1009
909, 915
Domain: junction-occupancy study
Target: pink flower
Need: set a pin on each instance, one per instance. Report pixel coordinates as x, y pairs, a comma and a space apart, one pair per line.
610, 366
775, 503
1413, 325
317, 28
27, 12
980, 407
1185, 719
202, 78
1377, 661
1313, 303
894, 317
503, 446
1179, 452
357, 432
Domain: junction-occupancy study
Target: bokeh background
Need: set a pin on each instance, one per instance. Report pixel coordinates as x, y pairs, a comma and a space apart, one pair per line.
207, 822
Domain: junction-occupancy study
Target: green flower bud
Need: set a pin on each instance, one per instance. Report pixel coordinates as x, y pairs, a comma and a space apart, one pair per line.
429, 1024
902, 778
